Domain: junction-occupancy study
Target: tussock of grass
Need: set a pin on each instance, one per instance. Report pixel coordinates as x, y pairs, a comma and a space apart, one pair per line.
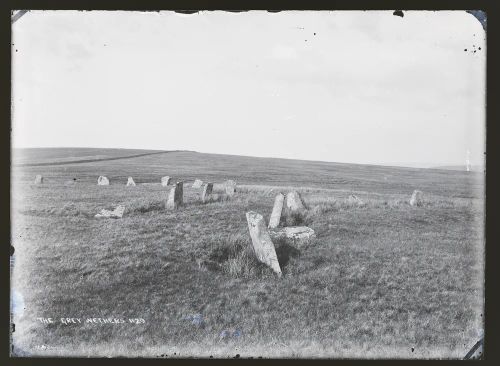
68, 210
217, 197
296, 218
148, 206
236, 257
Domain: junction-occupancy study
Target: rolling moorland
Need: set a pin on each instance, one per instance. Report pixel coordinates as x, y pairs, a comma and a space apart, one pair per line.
381, 278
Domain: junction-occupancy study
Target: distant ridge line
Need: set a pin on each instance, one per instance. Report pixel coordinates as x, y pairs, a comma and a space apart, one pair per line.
93, 160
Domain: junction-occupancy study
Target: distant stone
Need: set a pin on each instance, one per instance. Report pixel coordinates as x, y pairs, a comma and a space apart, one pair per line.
103, 181
175, 197
117, 213
207, 191
197, 183
165, 181
416, 198
38, 179
230, 186
294, 203
297, 234
130, 182
354, 199
261, 241
275, 219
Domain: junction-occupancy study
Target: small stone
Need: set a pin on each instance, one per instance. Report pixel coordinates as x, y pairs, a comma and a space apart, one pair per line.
103, 181
130, 182
416, 198
117, 213
165, 181
197, 183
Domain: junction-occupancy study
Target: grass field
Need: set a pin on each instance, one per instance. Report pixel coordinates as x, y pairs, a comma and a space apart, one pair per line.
381, 279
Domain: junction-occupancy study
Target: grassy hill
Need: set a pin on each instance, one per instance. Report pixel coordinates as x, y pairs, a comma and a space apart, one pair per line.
382, 278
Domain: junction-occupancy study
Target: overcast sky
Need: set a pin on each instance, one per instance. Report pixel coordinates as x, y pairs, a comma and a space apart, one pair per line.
345, 86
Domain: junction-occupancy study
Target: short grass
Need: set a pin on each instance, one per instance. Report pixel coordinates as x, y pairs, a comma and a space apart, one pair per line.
381, 279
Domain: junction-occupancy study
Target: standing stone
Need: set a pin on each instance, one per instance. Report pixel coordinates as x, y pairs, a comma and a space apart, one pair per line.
38, 179
165, 181
103, 181
175, 197
416, 198
130, 182
207, 191
197, 183
294, 202
275, 219
230, 187
261, 241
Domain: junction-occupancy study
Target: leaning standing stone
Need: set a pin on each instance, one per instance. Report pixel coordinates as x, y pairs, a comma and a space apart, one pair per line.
416, 198
103, 181
130, 182
38, 179
165, 181
197, 183
175, 197
207, 191
275, 219
261, 241
294, 202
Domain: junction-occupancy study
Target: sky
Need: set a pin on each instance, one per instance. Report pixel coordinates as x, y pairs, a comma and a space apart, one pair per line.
342, 86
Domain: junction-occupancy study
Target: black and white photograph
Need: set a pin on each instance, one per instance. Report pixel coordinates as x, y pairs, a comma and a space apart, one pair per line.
215, 184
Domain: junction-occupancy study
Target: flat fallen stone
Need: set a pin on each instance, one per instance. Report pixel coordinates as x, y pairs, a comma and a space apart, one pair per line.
175, 196
207, 191
130, 182
197, 183
294, 203
354, 199
38, 179
275, 219
416, 198
117, 213
297, 234
165, 181
102, 181
261, 241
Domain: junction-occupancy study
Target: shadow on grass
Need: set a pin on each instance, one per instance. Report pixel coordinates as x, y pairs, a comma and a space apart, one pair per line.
284, 252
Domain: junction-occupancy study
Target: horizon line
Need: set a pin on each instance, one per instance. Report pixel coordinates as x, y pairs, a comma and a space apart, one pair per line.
410, 165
